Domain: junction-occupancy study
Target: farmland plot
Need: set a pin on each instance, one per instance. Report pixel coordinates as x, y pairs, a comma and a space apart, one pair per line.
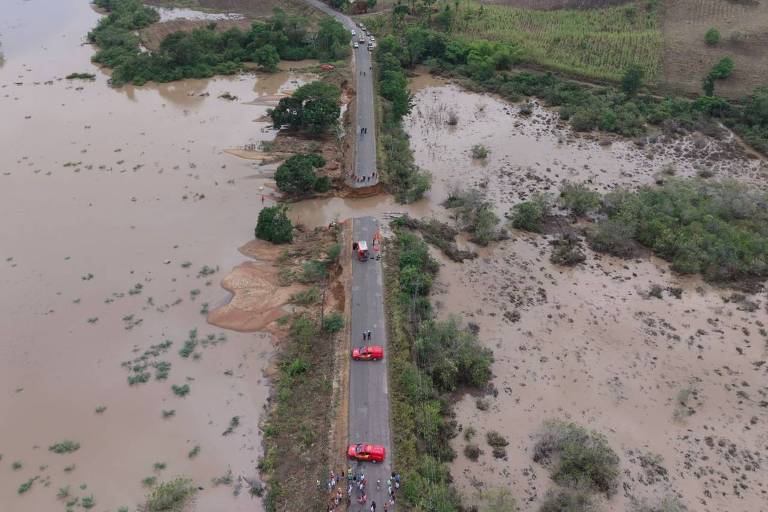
596, 43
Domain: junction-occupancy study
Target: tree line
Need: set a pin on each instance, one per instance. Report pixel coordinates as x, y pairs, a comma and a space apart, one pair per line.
206, 51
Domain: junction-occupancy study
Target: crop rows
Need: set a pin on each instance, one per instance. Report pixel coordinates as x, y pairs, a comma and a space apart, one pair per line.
598, 43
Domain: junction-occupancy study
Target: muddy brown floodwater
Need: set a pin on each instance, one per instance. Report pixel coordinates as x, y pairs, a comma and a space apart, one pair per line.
112, 202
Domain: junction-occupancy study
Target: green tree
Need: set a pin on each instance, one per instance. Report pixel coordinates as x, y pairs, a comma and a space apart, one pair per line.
267, 57
722, 70
313, 107
274, 225
632, 80
296, 176
712, 37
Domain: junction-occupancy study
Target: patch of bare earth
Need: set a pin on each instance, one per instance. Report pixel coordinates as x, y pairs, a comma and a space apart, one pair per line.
743, 27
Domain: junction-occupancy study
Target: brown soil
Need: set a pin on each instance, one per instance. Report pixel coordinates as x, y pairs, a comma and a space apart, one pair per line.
743, 28
258, 298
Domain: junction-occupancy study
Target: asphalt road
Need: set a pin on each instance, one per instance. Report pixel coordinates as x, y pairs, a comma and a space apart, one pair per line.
365, 131
368, 393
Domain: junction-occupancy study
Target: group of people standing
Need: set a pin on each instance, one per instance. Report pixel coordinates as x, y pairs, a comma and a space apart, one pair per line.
357, 483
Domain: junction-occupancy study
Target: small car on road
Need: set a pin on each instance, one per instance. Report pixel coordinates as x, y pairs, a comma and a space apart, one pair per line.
354, 33
355, 45
369, 353
366, 452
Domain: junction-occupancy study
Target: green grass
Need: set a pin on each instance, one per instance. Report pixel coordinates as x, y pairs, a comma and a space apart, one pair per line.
596, 43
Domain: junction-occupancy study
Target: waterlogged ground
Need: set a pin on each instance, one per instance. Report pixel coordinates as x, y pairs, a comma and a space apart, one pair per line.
112, 203
679, 377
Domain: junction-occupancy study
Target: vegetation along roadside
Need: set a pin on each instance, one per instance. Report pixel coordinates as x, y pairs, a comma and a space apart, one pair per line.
429, 361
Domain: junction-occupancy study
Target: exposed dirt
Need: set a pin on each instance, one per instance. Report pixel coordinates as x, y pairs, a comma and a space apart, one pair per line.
743, 27
258, 297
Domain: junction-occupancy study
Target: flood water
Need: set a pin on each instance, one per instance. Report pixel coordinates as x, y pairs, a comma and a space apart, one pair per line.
112, 201
105, 189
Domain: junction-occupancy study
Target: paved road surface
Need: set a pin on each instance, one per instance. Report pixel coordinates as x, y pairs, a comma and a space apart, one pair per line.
365, 154
368, 393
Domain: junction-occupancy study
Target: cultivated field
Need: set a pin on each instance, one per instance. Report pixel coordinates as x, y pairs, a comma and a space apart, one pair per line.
743, 25
597, 43
542, 5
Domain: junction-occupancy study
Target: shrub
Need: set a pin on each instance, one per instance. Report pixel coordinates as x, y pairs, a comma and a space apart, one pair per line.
632, 80
180, 391
472, 452
64, 447
452, 355
296, 176
497, 500
333, 322
567, 500
306, 297
614, 237
474, 214
567, 251
496, 440
529, 215
712, 37
578, 458
480, 152
171, 496
579, 199
274, 225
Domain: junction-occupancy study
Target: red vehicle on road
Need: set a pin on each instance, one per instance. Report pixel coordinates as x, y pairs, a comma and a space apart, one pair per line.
366, 452
371, 353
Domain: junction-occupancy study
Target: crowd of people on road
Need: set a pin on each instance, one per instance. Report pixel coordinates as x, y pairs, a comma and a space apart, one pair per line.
363, 179
357, 491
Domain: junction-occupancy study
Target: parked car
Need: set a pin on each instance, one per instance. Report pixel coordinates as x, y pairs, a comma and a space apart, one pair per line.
366, 452
369, 353
355, 45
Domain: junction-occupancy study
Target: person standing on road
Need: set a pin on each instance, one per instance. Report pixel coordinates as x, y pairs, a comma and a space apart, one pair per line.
373, 506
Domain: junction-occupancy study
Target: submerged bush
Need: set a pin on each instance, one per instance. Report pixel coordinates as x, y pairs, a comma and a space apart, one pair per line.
578, 459
529, 215
171, 496
578, 198
568, 500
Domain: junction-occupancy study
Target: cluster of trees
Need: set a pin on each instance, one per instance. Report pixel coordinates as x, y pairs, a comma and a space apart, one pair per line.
313, 107
429, 359
474, 214
296, 176
399, 171
717, 229
206, 51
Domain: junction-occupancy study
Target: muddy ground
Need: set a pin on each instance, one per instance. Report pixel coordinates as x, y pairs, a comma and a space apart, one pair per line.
590, 344
121, 214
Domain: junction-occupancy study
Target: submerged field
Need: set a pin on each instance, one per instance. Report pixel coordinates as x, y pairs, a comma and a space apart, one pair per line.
666, 366
596, 43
